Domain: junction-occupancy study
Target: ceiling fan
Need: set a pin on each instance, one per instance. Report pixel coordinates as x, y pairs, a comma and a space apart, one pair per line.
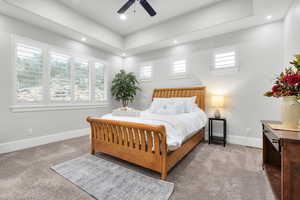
144, 3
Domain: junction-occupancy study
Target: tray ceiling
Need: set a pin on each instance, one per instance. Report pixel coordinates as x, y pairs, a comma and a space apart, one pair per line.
104, 12
183, 21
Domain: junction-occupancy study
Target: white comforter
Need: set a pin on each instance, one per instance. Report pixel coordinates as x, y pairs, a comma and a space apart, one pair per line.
178, 127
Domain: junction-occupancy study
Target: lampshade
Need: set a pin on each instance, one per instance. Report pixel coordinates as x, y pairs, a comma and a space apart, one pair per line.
217, 101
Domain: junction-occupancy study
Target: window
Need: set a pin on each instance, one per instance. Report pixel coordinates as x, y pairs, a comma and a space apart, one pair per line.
81, 84
29, 72
100, 84
179, 68
225, 59
46, 77
146, 72
60, 77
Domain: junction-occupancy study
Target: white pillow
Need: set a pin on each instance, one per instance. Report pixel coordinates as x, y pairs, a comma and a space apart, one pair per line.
187, 102
167, 107
158, 103
195, 108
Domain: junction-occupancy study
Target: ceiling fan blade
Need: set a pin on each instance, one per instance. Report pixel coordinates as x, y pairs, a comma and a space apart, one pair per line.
126, 6
148, 7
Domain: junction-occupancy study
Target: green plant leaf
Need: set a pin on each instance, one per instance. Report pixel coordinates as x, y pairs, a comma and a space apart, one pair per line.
124, 87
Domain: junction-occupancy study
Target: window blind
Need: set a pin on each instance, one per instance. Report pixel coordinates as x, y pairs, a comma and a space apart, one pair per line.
47, 76
29, 71
146, 72
225, 60
99, 84
60, 77
179, 67
81, 82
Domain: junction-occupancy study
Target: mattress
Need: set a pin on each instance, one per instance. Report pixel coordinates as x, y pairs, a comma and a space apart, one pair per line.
179, 127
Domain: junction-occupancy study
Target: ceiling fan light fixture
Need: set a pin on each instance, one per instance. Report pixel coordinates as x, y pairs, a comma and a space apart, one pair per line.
123, 17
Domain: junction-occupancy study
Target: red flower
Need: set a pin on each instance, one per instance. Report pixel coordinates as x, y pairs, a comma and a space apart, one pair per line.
275, 88
292, 79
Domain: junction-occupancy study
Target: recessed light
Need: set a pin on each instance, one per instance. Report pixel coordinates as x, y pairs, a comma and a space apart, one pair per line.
83, 39
175, 42
123, 17
269, 17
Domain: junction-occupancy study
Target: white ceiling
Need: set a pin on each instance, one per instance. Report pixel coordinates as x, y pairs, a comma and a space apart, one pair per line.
104, 12
182, 20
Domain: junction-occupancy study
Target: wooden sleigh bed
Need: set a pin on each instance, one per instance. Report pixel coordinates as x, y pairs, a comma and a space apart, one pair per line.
142, 144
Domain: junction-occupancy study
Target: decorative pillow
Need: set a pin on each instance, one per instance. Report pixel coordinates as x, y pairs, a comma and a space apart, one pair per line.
167, 107
195, 107
186, 102
158, 103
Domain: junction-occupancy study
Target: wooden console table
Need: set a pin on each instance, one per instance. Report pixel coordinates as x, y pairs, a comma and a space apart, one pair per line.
281, 161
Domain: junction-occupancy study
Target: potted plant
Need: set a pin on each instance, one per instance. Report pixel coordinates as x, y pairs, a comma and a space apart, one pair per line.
287, 85
124, 87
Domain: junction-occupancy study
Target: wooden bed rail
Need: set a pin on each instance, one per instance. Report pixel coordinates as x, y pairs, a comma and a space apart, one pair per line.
142, 144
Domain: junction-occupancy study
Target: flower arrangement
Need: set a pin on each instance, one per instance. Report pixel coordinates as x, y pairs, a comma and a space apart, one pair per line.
288, 82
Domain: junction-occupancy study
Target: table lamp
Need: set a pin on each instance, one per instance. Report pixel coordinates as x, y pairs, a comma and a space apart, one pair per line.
217, 102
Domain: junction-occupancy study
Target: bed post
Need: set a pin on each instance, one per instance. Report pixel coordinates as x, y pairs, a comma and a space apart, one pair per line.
92, 148
164, 170
164, 151
92, 151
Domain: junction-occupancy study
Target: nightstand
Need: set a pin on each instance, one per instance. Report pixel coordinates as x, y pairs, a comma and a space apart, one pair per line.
217, 139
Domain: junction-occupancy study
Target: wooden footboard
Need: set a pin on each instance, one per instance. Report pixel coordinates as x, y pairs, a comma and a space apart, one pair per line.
141, 144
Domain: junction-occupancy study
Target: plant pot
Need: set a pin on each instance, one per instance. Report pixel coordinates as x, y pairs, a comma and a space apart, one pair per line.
290, 112
124, 108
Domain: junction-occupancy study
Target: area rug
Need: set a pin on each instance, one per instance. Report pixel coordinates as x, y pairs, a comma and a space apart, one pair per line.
105, 180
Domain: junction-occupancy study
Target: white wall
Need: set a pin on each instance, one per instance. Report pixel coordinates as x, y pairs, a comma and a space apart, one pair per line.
261, 57
292, 32
15, 126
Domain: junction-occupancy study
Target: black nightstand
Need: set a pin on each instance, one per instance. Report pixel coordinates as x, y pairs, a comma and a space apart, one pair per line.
217, 139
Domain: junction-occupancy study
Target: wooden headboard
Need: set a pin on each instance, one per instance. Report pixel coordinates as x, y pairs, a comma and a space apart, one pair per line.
199, 92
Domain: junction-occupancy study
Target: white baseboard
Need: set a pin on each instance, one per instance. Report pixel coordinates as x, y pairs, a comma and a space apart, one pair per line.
37, 141
245, 141
242, 140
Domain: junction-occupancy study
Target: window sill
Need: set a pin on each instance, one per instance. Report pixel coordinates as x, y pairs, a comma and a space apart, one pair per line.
178, 76
145, 80
225, 71
39, 108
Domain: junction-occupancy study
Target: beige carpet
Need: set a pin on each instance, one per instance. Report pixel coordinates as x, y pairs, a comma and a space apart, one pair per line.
209, 172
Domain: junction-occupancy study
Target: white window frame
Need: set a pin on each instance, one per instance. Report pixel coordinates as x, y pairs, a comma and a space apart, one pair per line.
46, 103
179, 75
145, 79
226, 69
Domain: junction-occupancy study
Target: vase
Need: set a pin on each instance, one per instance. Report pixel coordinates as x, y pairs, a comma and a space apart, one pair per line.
290, 112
